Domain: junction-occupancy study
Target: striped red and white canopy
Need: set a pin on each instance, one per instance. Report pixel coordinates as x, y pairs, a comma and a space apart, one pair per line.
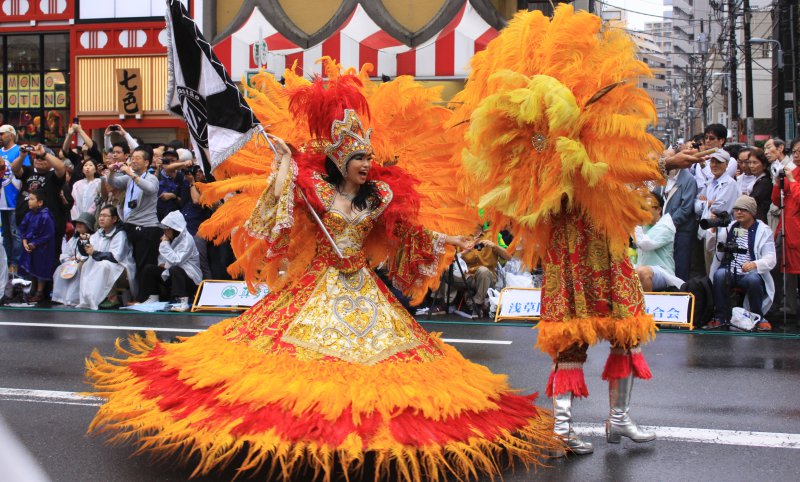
359, 41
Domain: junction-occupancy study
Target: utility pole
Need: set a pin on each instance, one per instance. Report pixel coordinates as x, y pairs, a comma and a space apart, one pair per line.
733, 130
748, 76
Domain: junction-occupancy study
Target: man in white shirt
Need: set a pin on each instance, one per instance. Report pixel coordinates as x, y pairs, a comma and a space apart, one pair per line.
719, 195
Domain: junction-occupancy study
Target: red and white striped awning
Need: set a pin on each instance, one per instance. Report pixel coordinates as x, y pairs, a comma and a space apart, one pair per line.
358, 41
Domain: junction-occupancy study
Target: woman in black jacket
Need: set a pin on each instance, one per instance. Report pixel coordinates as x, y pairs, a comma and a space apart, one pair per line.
762, 187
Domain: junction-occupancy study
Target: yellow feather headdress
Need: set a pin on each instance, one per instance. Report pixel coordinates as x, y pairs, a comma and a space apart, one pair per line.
552, 119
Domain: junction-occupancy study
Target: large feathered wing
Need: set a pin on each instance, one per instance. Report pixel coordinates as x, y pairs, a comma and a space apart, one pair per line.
413, 154
551, 118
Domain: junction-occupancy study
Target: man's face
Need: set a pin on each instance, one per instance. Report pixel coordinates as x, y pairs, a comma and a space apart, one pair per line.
137, 162
772, 152
118, 154
744, 162
7, 139
718, 167
711, 140
41, 164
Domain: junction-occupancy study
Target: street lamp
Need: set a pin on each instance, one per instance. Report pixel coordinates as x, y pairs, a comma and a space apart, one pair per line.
758, 40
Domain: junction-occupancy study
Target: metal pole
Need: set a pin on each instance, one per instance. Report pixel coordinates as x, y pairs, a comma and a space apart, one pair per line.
748, 76
733, 130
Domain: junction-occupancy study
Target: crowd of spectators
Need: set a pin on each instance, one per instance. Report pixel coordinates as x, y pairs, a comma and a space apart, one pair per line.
89, 230
92, 231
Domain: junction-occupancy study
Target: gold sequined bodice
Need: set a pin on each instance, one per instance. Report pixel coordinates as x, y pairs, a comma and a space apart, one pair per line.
348, 232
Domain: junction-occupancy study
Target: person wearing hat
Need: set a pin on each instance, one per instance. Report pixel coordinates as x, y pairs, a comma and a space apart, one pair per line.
66, 279
178, 271
718, 196
744, 256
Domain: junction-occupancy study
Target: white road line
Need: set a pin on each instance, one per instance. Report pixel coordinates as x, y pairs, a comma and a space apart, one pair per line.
706, 436
670, 434
194, 330
48, 396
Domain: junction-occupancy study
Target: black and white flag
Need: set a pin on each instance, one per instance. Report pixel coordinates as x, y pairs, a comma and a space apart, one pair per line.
200, 90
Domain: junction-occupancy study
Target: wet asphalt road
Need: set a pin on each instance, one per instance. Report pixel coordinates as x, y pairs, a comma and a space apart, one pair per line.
712, 382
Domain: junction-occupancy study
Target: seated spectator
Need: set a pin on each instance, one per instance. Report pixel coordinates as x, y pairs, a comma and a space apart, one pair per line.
761, 189
655, 244
745, 254
481, 261
718, 196
86, 192
178, 271
66, 279
38, 233
109, 263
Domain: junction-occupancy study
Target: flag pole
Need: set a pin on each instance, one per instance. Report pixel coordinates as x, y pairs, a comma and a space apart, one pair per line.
308, 204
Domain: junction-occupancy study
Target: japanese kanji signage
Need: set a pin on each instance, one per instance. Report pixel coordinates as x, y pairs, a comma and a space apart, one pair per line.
666, 308
129, 91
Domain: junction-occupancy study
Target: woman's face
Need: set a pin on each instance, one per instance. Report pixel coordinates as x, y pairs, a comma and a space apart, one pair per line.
756, 168
81, 228
105, 219
89, 169
358, 169
744, 162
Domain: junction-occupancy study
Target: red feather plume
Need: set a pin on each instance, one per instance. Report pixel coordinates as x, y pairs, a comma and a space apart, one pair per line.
319, 105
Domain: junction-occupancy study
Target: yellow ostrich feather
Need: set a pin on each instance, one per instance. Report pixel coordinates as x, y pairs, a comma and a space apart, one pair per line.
539, 79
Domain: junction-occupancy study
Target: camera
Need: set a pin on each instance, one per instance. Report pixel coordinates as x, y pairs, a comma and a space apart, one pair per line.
696, 145
731, 247
75, 120
723, 219
479, 246
113, 127
28, 148
133, 203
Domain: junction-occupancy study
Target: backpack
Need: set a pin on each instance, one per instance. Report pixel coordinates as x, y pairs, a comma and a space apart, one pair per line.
700, 287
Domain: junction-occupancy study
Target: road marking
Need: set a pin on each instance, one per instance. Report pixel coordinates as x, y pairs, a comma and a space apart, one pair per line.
706, 436
48, 396
195, 330
669, 434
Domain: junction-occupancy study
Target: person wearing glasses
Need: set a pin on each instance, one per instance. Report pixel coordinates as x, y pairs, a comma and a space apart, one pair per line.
138, 209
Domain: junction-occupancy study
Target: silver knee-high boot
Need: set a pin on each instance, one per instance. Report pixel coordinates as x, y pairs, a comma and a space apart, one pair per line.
562, 412
619, 423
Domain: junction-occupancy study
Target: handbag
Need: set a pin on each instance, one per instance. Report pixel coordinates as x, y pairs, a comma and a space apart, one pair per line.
743, 320
70, 269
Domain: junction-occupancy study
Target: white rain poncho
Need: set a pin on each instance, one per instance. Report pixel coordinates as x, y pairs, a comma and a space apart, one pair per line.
99, 276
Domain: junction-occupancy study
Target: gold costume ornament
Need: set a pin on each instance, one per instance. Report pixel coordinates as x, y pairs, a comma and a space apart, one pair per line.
349, 140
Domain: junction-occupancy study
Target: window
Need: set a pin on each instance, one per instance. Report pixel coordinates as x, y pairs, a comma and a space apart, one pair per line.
35, 87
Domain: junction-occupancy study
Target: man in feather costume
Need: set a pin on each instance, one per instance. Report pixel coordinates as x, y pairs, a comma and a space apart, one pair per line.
555, 143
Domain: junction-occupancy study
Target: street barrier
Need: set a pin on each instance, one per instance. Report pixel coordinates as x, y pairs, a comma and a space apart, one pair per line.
667, 308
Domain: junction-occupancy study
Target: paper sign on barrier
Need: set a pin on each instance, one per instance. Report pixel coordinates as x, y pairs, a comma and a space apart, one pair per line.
666, 308
221, 295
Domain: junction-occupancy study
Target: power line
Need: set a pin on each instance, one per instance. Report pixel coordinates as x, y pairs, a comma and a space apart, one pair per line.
643, 13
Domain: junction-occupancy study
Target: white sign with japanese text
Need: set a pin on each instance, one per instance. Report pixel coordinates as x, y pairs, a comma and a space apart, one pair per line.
527, 303
227, 295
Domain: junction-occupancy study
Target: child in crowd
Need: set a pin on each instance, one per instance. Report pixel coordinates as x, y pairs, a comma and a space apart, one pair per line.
38, 232
66, 279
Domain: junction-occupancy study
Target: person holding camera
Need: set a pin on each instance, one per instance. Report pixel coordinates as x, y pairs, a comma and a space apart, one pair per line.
66, 279
788, 246
130, 142
170, 183
138, 210
719, 195
744, 256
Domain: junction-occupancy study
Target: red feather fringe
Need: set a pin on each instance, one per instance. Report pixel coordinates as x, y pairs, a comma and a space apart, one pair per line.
618, 365
570, 380
640, 368
409, 427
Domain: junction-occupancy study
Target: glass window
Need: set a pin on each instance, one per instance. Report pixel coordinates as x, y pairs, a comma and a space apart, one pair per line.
24, 53
56, 52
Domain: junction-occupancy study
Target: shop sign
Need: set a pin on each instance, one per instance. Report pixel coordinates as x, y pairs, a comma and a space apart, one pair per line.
129, 91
